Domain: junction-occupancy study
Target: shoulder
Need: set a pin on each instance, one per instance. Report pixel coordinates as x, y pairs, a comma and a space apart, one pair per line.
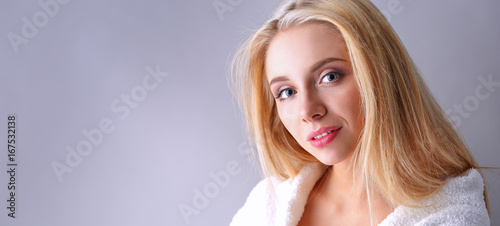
271, 200
254, 211
459, 202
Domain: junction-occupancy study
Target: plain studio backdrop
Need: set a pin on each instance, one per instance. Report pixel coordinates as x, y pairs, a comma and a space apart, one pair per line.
123, 115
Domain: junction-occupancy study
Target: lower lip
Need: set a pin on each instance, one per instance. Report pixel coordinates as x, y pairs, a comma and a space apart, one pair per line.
324, 140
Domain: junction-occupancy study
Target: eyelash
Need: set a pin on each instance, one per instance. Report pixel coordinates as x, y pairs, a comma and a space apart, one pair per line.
339, 76
281, 90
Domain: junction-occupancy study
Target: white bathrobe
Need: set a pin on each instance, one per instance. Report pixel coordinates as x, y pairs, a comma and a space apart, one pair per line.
461, 202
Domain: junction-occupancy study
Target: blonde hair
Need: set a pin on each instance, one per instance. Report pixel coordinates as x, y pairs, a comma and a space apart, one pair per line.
408, 147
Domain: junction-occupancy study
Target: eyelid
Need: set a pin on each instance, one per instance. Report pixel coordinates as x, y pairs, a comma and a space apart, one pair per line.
324, 73
280, 91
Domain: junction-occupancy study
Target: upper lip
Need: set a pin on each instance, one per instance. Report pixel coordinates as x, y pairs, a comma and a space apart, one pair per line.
321, 131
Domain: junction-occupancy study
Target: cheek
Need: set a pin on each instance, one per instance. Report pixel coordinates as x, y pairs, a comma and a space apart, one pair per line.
287, 113
289, 116
353, 108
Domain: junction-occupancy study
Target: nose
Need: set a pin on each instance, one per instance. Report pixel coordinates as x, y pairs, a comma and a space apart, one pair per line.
311, 107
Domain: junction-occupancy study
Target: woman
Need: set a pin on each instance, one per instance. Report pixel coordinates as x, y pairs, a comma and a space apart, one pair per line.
346, 130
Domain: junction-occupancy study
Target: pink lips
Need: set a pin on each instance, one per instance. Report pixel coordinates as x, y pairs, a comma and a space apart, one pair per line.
323, 136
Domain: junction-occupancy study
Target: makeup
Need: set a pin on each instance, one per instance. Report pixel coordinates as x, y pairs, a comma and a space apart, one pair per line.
323, 136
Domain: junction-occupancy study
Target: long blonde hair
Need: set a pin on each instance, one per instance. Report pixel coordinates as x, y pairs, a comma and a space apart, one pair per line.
408, 147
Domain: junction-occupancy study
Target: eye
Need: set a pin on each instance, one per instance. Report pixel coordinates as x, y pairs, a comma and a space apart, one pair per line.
285, 93
331, 77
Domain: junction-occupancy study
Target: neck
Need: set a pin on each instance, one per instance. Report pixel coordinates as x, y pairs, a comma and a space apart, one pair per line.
343, 194
340, 183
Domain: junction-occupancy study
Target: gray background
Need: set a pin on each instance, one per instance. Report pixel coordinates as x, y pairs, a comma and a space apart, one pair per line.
88, 54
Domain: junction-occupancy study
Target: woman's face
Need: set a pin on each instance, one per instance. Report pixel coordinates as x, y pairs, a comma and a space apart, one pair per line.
310, 75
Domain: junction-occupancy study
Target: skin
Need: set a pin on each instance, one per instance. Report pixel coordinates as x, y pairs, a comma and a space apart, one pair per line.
310, 75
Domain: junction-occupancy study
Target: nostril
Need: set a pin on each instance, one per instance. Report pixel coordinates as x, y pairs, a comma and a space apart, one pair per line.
308, 116
312, 110
316, 116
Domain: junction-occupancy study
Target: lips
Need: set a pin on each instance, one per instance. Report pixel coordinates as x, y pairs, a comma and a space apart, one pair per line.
323, 136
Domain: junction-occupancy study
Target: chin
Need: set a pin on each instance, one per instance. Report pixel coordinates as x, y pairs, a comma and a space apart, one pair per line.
332, 158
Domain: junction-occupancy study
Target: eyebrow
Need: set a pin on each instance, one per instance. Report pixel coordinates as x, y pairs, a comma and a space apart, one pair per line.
311, 69
323, 62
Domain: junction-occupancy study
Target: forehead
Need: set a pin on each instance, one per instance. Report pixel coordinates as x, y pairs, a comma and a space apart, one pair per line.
297, 48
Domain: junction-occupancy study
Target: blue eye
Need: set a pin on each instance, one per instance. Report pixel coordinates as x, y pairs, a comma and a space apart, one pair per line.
285, 93
331, 77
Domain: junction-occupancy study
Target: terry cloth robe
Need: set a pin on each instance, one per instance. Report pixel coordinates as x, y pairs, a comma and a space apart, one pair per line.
459, 202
